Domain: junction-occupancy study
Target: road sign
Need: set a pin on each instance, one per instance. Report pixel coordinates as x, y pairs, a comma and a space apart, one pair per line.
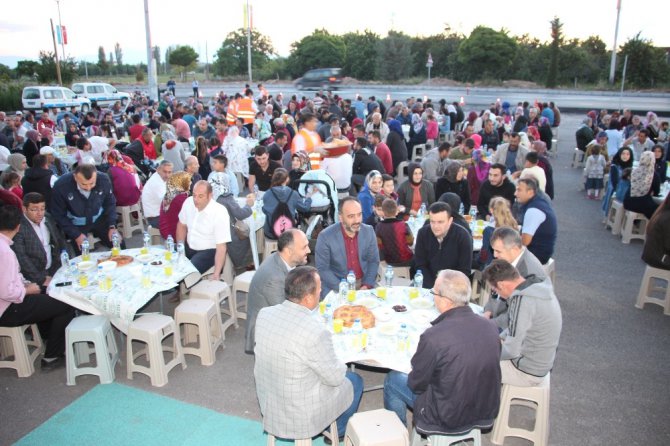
430, 61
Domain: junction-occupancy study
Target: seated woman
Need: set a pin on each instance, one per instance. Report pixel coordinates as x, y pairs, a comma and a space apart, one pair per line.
299, 165
415, 190
125, 182
501, 215
372, 187
72, 135
478, 172
660, 166
177, 190
656, 251
31, 146
644, 183
280, 192
622, 160
239, 249
417, 134
454, 181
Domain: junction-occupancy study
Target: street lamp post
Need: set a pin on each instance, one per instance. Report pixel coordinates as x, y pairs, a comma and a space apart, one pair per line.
151, 62
616, 34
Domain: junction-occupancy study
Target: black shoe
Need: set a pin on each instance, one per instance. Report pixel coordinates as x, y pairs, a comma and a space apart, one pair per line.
48, 366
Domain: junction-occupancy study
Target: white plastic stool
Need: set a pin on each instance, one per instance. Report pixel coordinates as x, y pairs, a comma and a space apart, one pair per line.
375, 428
418, 150
577, 158
216, 291
447, 440
646, 289
241, 283
97, 330
628, 229
127, 226
13, 343
308, 441
615, 216
400, 174
269, 247
207, 333
538, 396
152, 329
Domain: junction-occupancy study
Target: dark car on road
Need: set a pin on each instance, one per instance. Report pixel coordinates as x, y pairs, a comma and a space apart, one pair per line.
320, 79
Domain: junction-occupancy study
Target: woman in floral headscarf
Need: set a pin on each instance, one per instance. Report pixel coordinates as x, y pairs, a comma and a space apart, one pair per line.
239, 249
237, 152
417, 133
177, 190
125, 183
478, 172
644, 183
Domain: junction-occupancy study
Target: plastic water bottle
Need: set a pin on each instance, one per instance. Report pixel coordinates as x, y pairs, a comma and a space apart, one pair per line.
116, 244
104, 280
473, 213
351, 281
359, 336
85, 251
73, 270
180, 252
169, 247
403, 339
461, 209
388, 275
344, 287
422, 213
328, 315
65, 262
146, 276
146, 242
418, 279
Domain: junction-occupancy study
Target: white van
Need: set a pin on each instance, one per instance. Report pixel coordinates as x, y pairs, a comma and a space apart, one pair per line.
36, 98
104, 95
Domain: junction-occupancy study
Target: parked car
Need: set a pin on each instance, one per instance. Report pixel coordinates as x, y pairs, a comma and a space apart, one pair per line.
320, 79
104, 95
36, 98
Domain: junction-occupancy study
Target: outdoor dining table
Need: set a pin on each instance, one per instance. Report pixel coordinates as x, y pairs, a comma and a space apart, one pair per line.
127, 295
384, 347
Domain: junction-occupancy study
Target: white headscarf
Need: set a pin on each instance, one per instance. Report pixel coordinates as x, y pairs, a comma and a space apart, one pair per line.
642, 176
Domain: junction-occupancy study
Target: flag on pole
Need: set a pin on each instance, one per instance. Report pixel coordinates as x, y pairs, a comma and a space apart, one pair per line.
64, 31
58, 34
248, 16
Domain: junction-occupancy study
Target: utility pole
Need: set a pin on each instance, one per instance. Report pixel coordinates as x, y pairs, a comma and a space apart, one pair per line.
151, 62
616, 35
429, 65
53, 37
248, 14
623, 79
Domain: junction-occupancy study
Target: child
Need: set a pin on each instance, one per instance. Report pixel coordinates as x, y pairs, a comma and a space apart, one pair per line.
394, 238
11, 181
388, 190
594, 171
222, 181
377, 211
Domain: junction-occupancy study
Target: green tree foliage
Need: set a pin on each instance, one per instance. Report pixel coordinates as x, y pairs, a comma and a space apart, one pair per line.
530, 62
118, 54
183, 57
487, 54
393, 53
318, 50
102, 61
46, 70
555, 49
647, 65
361, 48
5, 73
443, 48
231, 58
27, 68
275, 68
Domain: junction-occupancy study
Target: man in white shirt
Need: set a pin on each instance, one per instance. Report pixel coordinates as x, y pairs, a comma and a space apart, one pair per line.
205, 226
154, 191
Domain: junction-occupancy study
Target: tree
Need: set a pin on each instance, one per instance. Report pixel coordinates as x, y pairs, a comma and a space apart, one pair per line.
118, 53
231, 58
360, 50
5, 73
647, 64
46, 69
394, 53
442, 47
530, 61
556, 41
27, 68
102, 61
183, 57
318, 50
157, 56
487, 54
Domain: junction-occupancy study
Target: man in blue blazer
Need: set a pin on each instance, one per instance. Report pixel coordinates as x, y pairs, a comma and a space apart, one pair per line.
347, 246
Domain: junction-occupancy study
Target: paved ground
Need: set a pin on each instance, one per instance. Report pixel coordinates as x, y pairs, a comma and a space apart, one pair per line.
609, 384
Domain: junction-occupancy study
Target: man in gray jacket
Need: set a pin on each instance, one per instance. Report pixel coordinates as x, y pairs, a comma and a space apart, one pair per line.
267, 286
531, 339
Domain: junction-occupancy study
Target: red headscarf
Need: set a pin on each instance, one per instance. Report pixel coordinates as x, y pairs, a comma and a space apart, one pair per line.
114, 158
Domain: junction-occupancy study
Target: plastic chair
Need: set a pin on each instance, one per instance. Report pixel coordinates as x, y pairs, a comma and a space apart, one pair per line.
13, 343
615, 216
269, 247
241, 283
446, 440
98, 331
375, 428
577, 158
643, 296
418, 150
202, 322
629, 231
127, 227
308, 441
401, 176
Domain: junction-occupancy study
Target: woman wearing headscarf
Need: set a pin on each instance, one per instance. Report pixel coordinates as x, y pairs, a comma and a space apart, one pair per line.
176, 191
31, 146
299, 165
584, 134
17, 163
415, 190
396, 143
660, 166
237, 152
622, 160
543, 161
239, 249
454, 181
478, 172
125, 183
644, 183
417, 133
372, 187
545, 132
72, 135
520, 120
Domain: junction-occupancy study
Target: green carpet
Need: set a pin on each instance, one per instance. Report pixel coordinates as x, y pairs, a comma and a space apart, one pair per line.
114, 414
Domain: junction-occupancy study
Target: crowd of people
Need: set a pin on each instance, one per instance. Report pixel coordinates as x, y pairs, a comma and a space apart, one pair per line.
187, 161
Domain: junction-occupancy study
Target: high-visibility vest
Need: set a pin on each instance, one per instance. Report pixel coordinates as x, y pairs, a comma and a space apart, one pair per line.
245, 110
307, 141
231, 114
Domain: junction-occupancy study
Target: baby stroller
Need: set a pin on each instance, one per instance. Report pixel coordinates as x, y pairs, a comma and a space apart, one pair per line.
324, 202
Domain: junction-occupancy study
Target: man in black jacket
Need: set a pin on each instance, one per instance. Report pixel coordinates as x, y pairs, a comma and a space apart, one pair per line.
454, 385
496, 186
364, 162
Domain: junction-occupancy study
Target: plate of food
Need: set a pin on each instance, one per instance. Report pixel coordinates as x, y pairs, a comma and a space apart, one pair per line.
421, 303
337, 147
120, 260
388, 329
383, 314
85, 265
368, 302
349, 313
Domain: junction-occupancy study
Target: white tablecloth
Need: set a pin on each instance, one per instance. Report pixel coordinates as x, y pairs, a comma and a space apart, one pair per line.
382, 349
256, 221
127, 295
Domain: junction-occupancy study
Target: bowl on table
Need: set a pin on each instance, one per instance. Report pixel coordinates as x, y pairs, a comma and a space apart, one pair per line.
108, 265
85, 265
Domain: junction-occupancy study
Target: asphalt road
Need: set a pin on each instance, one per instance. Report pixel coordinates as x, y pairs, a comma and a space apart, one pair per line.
567, 100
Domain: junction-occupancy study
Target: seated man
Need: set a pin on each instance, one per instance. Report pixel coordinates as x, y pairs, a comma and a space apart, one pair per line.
394, 237
39, 242
506, 244
497, 185
364, 162
454, 385
204, 225
261, 169
442, 245
539, 229
154, 192
21, 303
302, 386
347, 246
81, 202
267, 285
530, 342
